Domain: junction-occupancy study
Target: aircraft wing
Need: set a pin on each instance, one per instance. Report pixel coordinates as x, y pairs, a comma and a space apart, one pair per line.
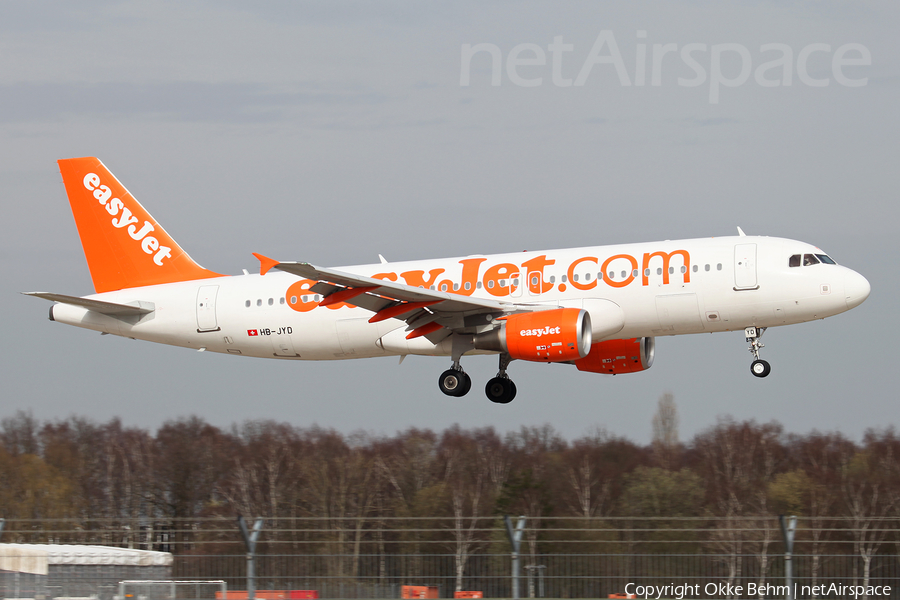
426, 311
100, 306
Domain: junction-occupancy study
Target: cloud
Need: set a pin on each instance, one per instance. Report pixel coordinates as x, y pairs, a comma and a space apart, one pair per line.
178, 101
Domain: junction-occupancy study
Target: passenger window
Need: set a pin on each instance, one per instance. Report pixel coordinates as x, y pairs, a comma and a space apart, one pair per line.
271, 301
468, 286
534, 280
623, 275
810, 259
719, 267
612, 275
671, 270
259, 302
281, 300
553, 279
646, 272
247, 304
587, 276
293, 299
478, 285
706, 268
695, 268
575, 277
659, 271
563, 278
599, 276
794, 261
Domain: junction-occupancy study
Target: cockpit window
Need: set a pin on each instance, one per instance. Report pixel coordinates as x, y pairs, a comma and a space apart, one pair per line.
826, 259
810, 259
794, 261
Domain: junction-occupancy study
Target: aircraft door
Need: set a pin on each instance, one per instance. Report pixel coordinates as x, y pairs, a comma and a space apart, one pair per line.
679, 313
745, 267
206, 308
282, 345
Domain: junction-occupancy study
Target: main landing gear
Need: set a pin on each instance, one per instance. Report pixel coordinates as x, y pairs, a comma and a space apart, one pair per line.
758, 367
454, 381
501, 389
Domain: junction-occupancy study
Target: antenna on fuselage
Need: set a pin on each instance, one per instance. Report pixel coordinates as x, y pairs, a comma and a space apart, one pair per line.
741, 232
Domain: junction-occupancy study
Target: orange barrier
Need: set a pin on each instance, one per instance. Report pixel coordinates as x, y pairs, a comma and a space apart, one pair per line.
474, 594
268, 594
418, 591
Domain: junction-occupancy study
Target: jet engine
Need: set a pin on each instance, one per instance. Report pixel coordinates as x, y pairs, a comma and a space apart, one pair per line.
558, 335
619, 356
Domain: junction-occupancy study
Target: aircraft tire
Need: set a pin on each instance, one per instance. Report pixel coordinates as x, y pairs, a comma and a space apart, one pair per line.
467, 385
454, 383
500, 390
760, 368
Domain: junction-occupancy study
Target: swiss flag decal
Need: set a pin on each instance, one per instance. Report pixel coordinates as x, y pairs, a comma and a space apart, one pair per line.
252, 332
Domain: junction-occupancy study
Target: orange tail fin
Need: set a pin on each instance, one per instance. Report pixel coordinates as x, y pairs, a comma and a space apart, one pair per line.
125, 247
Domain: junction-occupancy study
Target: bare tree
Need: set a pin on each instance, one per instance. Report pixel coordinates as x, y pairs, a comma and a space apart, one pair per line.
665, 432
472, 462
869, 482
739, 460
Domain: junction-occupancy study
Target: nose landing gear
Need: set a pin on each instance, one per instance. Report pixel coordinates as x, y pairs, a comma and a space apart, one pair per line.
758, 367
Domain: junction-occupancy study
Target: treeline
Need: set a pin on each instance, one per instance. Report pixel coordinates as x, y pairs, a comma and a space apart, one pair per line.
78, 468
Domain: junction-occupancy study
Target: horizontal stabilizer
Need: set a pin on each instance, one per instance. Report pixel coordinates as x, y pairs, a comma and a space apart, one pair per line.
106, 308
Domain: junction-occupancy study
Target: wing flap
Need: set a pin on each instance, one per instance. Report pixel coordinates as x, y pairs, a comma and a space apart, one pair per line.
385, 292
100, 306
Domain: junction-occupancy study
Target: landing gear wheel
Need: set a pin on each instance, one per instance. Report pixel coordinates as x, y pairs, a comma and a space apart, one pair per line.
454, 383
500, 390
467, 385
760, 368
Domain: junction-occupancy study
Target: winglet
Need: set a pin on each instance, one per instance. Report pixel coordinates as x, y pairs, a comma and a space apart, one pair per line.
741, 232
265, 263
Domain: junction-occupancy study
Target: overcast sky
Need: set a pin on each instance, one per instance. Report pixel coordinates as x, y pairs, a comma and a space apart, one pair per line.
330, 132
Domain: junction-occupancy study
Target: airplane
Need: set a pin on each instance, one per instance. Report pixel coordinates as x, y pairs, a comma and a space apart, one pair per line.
596, 308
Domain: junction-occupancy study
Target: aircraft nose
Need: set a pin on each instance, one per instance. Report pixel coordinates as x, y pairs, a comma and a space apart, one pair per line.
856, 289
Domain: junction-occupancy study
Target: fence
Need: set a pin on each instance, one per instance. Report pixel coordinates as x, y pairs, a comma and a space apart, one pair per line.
561, 557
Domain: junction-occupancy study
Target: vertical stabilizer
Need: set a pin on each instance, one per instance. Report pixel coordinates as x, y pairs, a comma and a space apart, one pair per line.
124, 245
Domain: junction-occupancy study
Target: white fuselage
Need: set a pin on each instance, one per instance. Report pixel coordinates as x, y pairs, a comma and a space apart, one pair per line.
663, 288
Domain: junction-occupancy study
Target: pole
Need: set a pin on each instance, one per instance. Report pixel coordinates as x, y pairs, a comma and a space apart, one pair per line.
515, 540
788, 529
250, 539
2, 526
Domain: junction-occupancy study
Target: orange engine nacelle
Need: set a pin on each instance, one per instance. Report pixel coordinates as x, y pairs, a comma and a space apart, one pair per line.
558, 335
619, 356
